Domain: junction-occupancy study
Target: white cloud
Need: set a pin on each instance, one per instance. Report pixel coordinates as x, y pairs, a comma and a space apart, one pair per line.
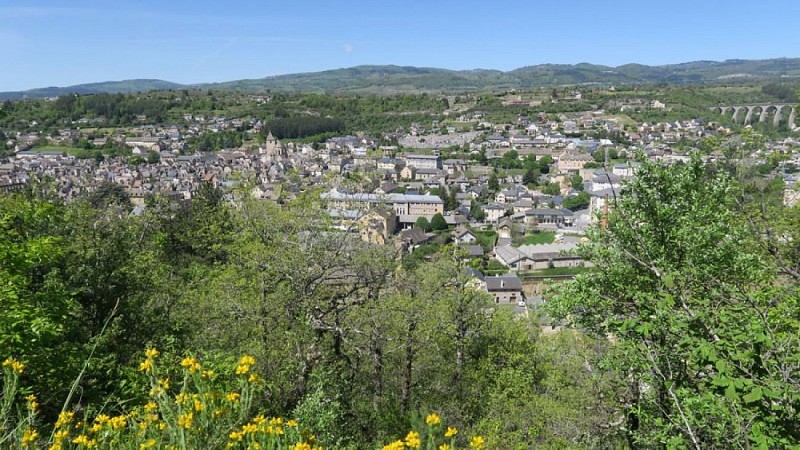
348, 48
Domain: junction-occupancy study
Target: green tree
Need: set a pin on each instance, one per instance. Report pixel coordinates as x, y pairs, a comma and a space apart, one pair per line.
699, 312
476, 212
576, 181
109, 194
577, 202
423, 224
552, 189
153, 157
530, 178
494, 184
438, 223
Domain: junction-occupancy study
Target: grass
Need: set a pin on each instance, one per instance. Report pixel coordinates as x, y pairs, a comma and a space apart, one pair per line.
54, 148
542, 237
486, 239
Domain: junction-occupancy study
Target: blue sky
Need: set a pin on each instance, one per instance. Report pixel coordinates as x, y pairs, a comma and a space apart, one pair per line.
65, 42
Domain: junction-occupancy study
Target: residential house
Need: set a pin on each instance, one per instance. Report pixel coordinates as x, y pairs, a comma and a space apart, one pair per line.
494, 212
505, 289
572, 161
462, 235
377, 226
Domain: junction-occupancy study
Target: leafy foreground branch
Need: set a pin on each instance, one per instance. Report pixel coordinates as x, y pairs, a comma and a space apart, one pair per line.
206, 409
693, 285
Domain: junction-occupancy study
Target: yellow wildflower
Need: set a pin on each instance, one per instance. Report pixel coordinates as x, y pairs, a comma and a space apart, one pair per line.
61, 435
291, 423
102, 418
259, 419
396, 445
84, 441
276, 421
254, 446
247, 360
477, 442
199, 406
249, 428
118, 422
181, 398
208, 374
56, 446
242, 369
301, 446
185, 420
191, 364
15, 365
150, 443
29, 436
233, 397
150, 407
445, 447
164, 383
236, 436
151, 353
450, 432
433, 419
254, 378
413, 440
146, 366
96, 428
32, 403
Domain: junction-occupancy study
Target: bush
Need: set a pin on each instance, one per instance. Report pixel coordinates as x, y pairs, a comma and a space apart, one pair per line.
438, 223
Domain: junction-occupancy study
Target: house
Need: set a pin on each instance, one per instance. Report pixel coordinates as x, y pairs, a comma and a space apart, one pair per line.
462, 235
548, 217
494, 212
605, 181
408, 173
454, 165
513, 258
505, 289
791, 193
413, 237
572, 161
474, 251
386, 163
504, 227
424, 161
377, 226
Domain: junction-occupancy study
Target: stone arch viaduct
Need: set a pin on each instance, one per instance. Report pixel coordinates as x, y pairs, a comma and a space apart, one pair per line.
762, 114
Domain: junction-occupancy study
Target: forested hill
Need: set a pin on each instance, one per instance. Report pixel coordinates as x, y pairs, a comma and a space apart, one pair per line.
391, 79
106, 87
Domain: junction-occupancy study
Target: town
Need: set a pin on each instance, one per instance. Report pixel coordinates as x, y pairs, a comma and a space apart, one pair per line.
516, 196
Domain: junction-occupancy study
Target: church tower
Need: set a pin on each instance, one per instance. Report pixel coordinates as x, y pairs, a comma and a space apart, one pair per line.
274, 148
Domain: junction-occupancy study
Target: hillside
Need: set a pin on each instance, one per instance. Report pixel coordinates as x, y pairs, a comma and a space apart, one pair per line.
390, 79
105, 87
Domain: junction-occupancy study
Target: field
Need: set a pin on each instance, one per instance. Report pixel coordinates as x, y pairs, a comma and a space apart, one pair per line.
542, 237
73, 151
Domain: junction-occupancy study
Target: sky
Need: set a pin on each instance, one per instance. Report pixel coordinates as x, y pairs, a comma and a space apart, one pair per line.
66, 42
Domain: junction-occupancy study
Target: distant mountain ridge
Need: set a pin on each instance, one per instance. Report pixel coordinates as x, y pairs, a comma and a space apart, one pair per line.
389, 79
